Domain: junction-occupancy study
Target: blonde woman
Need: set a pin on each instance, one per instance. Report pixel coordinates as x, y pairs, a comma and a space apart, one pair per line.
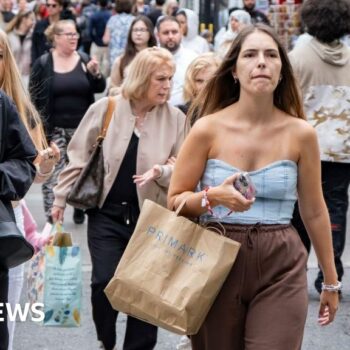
62, 86
144, 133
198, 73
11, 84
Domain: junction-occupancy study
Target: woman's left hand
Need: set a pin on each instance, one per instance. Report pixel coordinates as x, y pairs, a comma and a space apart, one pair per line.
148, 176
93, 67
328, 307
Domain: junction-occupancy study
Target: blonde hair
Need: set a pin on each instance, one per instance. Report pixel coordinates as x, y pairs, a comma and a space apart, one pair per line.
200, 63
11, 83
146, 62
57, 28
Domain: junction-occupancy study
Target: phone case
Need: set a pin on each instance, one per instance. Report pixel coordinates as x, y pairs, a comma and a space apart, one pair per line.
244, 185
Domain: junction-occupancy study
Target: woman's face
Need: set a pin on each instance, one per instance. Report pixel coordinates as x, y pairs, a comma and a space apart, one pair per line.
182, 19
22, 5
160, 84
29, 21
202, 78
235, 25
259, 64
67, 39
140, 34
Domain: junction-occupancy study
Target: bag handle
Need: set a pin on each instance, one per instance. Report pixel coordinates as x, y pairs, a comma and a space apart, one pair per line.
107, 118
222, 232
179, 208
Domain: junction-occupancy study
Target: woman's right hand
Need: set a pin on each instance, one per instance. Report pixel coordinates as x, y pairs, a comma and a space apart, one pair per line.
48, 158
57, 214
226, 195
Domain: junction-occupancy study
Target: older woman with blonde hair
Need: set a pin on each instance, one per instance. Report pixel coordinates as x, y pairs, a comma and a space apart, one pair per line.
144, 133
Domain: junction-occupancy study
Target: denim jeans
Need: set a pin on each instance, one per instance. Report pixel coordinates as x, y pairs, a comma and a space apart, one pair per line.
335, 185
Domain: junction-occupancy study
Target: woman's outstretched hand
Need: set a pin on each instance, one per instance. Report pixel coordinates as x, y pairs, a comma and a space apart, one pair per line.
152, 174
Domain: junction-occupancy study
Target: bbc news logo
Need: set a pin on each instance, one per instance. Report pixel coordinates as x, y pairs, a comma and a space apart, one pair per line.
36, 312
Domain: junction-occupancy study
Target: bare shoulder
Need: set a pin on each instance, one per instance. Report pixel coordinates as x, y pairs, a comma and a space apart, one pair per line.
205, 127
301, 129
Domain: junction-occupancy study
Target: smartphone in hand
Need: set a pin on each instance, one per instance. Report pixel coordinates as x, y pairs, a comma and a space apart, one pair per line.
245, 186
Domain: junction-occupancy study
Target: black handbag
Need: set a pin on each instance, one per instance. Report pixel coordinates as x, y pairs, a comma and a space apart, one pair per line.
87, 190
14, 248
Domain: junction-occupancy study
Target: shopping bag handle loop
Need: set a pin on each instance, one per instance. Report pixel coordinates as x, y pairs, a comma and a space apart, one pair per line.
221, 231
182, 204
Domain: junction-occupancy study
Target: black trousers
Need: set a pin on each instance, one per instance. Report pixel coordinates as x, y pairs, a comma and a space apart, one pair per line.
335, 185
4, 285
107, 240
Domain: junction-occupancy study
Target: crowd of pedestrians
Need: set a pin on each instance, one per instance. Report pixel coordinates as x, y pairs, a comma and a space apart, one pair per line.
191, 112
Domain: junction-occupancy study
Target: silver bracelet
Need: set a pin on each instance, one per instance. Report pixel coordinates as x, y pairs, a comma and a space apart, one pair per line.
332, 287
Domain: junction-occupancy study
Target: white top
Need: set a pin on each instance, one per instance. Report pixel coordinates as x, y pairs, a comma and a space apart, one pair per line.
182, 57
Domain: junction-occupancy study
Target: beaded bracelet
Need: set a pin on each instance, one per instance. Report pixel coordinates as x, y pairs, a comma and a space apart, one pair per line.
332, 287
206, 203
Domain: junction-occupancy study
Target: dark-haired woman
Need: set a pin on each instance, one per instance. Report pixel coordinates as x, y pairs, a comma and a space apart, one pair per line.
140, 37
117, 29
322, 65
19, 32
250, 118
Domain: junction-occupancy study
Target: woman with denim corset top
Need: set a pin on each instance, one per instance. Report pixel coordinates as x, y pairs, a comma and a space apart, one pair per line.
250, 118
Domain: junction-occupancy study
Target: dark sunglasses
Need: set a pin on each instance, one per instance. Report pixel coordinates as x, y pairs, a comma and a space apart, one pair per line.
51, 5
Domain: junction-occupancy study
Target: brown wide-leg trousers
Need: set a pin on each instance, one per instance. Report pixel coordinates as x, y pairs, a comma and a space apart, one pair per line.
263, 303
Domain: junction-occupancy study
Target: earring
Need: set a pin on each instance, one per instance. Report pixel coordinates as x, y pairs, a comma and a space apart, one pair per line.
235, 79
280, 79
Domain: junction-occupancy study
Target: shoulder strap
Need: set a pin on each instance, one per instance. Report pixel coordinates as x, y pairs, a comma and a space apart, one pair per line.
44, 59
108, 116
84, 57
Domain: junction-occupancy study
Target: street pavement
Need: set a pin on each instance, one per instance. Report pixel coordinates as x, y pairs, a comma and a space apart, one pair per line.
31, 336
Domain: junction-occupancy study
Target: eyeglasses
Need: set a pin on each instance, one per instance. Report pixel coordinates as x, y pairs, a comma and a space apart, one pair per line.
140, 30
51, 5
70, 35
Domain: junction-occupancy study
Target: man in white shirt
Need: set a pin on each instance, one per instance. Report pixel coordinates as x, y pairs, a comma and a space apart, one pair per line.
169, 37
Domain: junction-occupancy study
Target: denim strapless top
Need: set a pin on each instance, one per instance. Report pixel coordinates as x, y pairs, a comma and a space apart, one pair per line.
276, 186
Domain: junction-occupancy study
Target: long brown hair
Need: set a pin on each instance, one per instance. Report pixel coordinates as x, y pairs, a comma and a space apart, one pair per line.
130, 49
17, 20
221, 90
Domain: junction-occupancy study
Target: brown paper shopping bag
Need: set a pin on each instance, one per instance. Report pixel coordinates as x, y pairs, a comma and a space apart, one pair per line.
171, 270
